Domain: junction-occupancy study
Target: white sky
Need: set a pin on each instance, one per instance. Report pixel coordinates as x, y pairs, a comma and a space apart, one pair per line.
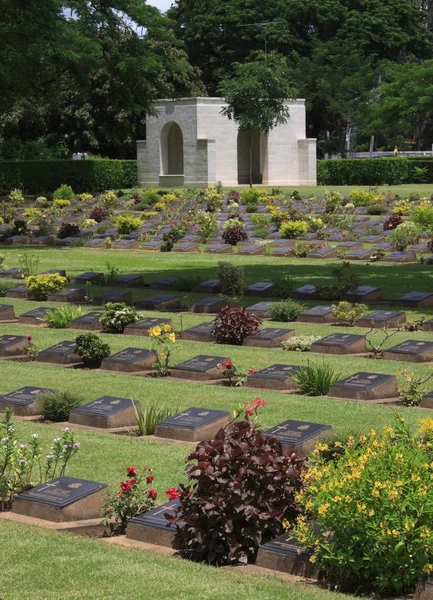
163, 5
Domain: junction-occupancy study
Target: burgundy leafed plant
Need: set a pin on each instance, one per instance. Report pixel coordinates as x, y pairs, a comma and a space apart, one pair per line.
234, 234
242, 488
393, 222
233, 324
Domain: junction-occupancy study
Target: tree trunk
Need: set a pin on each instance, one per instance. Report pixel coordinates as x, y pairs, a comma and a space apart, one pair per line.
251, 158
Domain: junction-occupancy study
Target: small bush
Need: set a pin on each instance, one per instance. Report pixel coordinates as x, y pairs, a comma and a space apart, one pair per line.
315, 380
348, 313
57, 406
422, 215
64, 192
362, 198
59, 318
208, 223
41, 286
91, 349
293, 229
250, 197
127, 224
393, 222
404, 235
16, 197
284, 286
232, 279
67, 230
61, 203
299, 343
332, 201
109, 199
362, 171
116, 316
380, 208
99, 213
243, 487
286, 311
235, 234
186, 283
233, 324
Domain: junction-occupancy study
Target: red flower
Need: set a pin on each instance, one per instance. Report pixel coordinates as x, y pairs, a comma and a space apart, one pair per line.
29, 338
172, 224
252, 371
131, 471
152, 494
249, 411
172, 493
227, 364
149, 478
126, 486
257, 402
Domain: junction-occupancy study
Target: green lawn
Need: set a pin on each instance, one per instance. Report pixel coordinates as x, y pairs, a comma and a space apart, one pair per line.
41, 565
307, 190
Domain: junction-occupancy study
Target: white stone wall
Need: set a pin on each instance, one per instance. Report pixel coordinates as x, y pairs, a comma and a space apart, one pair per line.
210, 146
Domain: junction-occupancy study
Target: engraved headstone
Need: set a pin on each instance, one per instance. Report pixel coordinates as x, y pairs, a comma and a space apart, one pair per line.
165, 283
62, 499
88, 322
362, 293
317, 314
201, 368
106, 412
428, 325
417, 300
219, 249
186, 247
252, 250
427, 401
68, 295
152, 246
130, 360
131, 281
23, 401
365, 386
323, 253
121, 296
199, 333
211, 286
359, 254
88, 277
306, 292
299, 436
125, 245
7, 313
284, 554
160, 302
15, 273
193, 425
208, 305
407, 256
63, 353
270, 337
95, 243
34, 317
261, 288
275, 377
340, 343
152, 526
380, 318
12, 345
410, 351
351, 246
142, 327
261, 309
20, 291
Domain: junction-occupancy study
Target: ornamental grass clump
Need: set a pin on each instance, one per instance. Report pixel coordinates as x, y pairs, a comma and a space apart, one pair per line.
116, 316
368, 510
59, 318
233, 324
316, 380
242, 488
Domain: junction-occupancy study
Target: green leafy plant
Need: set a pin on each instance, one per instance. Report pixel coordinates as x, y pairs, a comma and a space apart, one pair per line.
64, 192
116, 316
91, 349
242, 488
379, 490
134, 497
404, 235
293, 229
348, 313
232, 279
286, 311
186, 283
59, 318
315, 380
56, 406
284, 286
163, 340
208, 223
299, 343
40, 287
125, 224
149, 415
16, 196
412, 389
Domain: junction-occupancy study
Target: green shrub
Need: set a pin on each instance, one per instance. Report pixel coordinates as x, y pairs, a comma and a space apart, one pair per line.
404, 235
57, 406
91, 349
348, 313
16, 196
378, 489
315, 380
64, 192
362, 171
126, 224
232, 279
293, 229
420, 163
379, 208
299, 343
251, 197
59, 318
208, 223
286, 311
2, 262
332, 201
149, 415
116, 316
37, 177
186, 283
422, 215
362, 198
41, 286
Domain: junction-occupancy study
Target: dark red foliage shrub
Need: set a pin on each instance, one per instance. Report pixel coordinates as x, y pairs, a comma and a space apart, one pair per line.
392, 222
234, 196
99, 213
233, 324
243, 488
67, 229
234, 234
235, 216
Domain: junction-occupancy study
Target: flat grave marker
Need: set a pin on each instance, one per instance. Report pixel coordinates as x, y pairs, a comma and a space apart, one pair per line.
193, 425
269, 337
410, 351
62, 499
365, 386
34, 317
208, 305
275, 377
63, 353
7, 313
125, 245
152, 526
261, 288
317, 314
160, 302
123, 296
380, 318
15, 273
95, 243
362, 293
211, 286
358, 254
199, 333
20, 291
165, 283
306, 292
129, 360
261, 309
427, 401
340, 343
186, 247
143, 326
23, 401
128, 280
106, 412
68, 295
88, 322
199, 368
284, 554
12, 345
88, 277
219, 249
417, 300
323, 253
401, 257
252, 250
299, 436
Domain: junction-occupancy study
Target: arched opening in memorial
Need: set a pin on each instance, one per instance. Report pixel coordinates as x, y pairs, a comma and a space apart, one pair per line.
171, 149
249, 157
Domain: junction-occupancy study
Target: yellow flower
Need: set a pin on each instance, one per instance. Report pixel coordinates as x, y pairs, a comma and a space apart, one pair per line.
361, 507
375, 493
427, 568
155, 331
371, 513
166, 327
172, 337
323, 509
286, 525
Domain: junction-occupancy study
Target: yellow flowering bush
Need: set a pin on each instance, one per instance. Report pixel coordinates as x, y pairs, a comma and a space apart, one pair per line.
163, 338
160, 206
293, 229
368, 510
402, 207
60, 203
145, 216
41, 286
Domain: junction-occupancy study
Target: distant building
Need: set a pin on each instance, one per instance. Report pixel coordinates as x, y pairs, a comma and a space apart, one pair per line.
191, 143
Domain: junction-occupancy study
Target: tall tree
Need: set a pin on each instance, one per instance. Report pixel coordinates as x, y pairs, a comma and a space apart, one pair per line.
257, 95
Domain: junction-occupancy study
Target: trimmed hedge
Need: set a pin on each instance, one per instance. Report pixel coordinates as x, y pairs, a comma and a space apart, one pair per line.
362, 171
43, 177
